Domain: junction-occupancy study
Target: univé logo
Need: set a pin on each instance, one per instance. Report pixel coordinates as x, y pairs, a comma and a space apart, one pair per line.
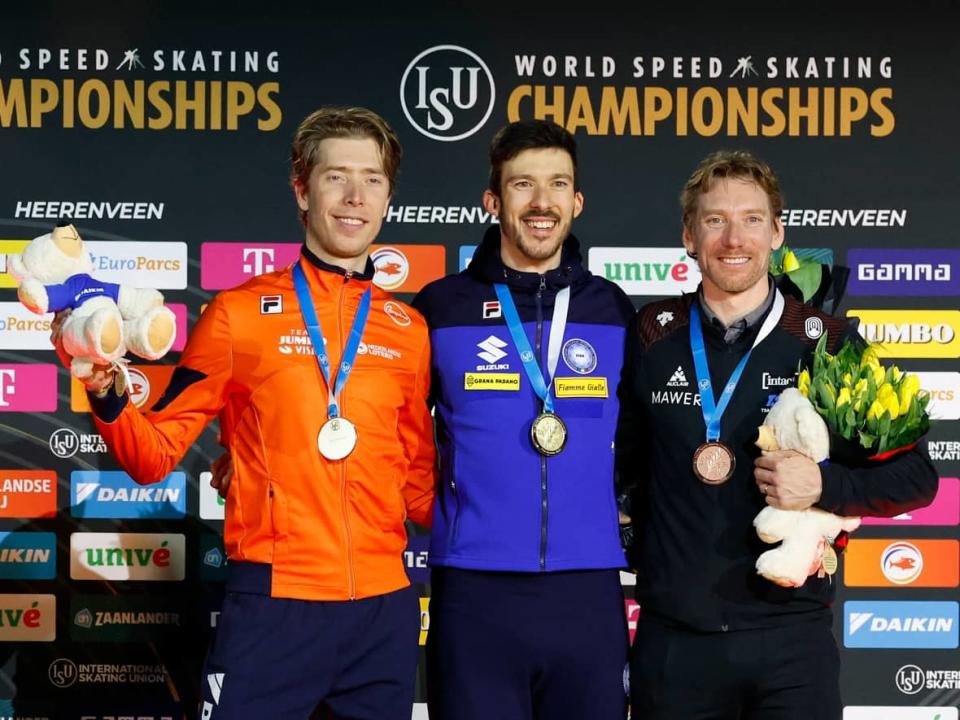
447, 92
30, 618
126, 556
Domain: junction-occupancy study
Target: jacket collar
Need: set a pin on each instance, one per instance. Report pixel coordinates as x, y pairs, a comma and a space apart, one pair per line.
308, 254
487, 266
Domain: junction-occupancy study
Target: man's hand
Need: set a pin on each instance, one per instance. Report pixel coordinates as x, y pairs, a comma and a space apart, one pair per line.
222, 473
789, 480
103, 376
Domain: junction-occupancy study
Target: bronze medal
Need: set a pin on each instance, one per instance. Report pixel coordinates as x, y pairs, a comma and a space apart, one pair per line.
548, 434
829, 559
713, 463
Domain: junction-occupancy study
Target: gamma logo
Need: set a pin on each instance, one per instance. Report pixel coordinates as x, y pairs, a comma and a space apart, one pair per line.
447, 93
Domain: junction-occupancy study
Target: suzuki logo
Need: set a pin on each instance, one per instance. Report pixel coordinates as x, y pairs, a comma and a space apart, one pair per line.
447, 92
7, 378
491, 351
262, 260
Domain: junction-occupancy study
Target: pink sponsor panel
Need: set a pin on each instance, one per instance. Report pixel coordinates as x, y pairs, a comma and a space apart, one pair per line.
180, 312
228, 264
28, 387
944, 510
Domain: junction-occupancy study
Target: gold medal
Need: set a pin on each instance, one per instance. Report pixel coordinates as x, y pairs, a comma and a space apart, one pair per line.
829, 561
548, 434
713, 463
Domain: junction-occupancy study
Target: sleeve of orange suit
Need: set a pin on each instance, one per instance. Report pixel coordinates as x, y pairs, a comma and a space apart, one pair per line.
416, 436
149, 446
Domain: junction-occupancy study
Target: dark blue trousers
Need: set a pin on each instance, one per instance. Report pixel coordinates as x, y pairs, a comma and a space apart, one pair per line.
517, 646
279, 658
790, 672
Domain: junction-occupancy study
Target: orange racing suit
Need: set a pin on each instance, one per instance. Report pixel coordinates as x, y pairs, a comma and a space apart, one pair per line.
331, 530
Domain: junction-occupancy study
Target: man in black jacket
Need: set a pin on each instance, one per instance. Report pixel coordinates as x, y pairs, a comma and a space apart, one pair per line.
716, 640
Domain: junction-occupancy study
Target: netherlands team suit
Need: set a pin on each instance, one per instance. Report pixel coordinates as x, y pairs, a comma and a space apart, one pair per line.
318, 606
526, 613
716, 640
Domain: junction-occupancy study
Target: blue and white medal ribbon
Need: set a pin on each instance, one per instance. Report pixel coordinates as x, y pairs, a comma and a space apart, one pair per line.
338, 436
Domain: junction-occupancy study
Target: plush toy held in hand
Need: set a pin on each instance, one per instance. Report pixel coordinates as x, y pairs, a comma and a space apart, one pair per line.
106, 320
794, 424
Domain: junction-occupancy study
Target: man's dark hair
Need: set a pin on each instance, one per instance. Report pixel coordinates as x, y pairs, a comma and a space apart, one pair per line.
516, 137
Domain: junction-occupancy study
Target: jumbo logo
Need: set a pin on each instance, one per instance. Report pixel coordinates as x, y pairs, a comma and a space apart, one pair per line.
914, 563
147, 383
9, 247
226, 265
911, 333
160, 265
646, 271
28, 618
114, 494
126, 556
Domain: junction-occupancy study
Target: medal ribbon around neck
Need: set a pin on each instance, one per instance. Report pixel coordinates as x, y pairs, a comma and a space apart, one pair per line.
561, 307
309, 313
713, 411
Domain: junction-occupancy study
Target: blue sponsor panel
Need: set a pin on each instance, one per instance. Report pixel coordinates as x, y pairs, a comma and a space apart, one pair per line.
28, 555
466, 255
114, 494
916, 625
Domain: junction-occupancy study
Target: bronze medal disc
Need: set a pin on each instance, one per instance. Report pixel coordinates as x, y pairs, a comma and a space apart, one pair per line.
713, 463
548, 434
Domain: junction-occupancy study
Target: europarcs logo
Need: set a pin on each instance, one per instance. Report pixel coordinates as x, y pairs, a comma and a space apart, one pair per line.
447, 93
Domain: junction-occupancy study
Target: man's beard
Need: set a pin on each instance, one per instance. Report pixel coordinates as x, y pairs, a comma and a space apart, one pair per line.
530, 248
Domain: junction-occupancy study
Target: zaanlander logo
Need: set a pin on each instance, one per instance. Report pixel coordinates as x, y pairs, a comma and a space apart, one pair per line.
885, 624
911, 333
646, 271
447, 92
93, 88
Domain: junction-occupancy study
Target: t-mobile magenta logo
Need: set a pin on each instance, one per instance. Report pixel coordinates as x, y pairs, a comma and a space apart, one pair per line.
7, 388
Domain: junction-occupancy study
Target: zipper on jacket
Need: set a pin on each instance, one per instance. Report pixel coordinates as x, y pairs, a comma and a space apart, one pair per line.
343, 463
543, 459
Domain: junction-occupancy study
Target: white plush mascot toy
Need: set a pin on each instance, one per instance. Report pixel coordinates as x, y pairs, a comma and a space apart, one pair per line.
107, 319
794, 424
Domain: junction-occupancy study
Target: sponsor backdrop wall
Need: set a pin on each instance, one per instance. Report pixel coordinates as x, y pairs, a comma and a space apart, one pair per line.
164, 136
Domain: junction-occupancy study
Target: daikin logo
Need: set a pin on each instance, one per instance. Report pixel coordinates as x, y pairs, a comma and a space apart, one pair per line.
114, 494
920, 625
447, 92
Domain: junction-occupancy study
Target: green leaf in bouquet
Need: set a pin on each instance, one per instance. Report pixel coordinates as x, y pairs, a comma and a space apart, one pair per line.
867, 440
807, 278
884, 426
826, 394
873, 425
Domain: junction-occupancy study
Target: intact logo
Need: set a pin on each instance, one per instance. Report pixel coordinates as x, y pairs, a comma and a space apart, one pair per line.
447, 93
776, 381
901, 563
491, 310
396, 313
271, 304
126, 556
28, 618
917, 625
813, 327
65, 443
392, 268
28, 555
579, 356
491, 351
114, 494
678, 379
28, 493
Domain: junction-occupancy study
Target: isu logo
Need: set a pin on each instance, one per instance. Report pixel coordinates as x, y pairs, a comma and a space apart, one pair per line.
392, 268
901, 563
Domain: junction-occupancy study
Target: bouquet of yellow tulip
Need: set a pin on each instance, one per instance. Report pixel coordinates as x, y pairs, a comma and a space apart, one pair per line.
810, 276
869, 406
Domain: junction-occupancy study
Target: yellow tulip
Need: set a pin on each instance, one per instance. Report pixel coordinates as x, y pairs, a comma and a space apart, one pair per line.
908, 391
790, 261
803, 382
875, 411
861, 386
891, 405
870, 358
847, 379
895, 374
843, 397
885, 391
879, 374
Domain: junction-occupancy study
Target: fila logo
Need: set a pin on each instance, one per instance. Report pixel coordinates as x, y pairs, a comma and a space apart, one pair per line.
257, 261
490, 348
491, 310
271, 304
665, 317
813, 327
678, 379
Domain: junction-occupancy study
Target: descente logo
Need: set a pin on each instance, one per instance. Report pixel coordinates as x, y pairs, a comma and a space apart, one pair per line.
126, 556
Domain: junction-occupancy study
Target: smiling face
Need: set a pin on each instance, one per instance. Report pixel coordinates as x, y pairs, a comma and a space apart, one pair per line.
344, 201
732, 233
536, 207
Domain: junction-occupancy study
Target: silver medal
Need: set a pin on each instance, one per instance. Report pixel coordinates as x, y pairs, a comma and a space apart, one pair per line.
337, 438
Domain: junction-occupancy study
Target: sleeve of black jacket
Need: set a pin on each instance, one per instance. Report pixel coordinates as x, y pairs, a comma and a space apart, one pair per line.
904, 482
628, 443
